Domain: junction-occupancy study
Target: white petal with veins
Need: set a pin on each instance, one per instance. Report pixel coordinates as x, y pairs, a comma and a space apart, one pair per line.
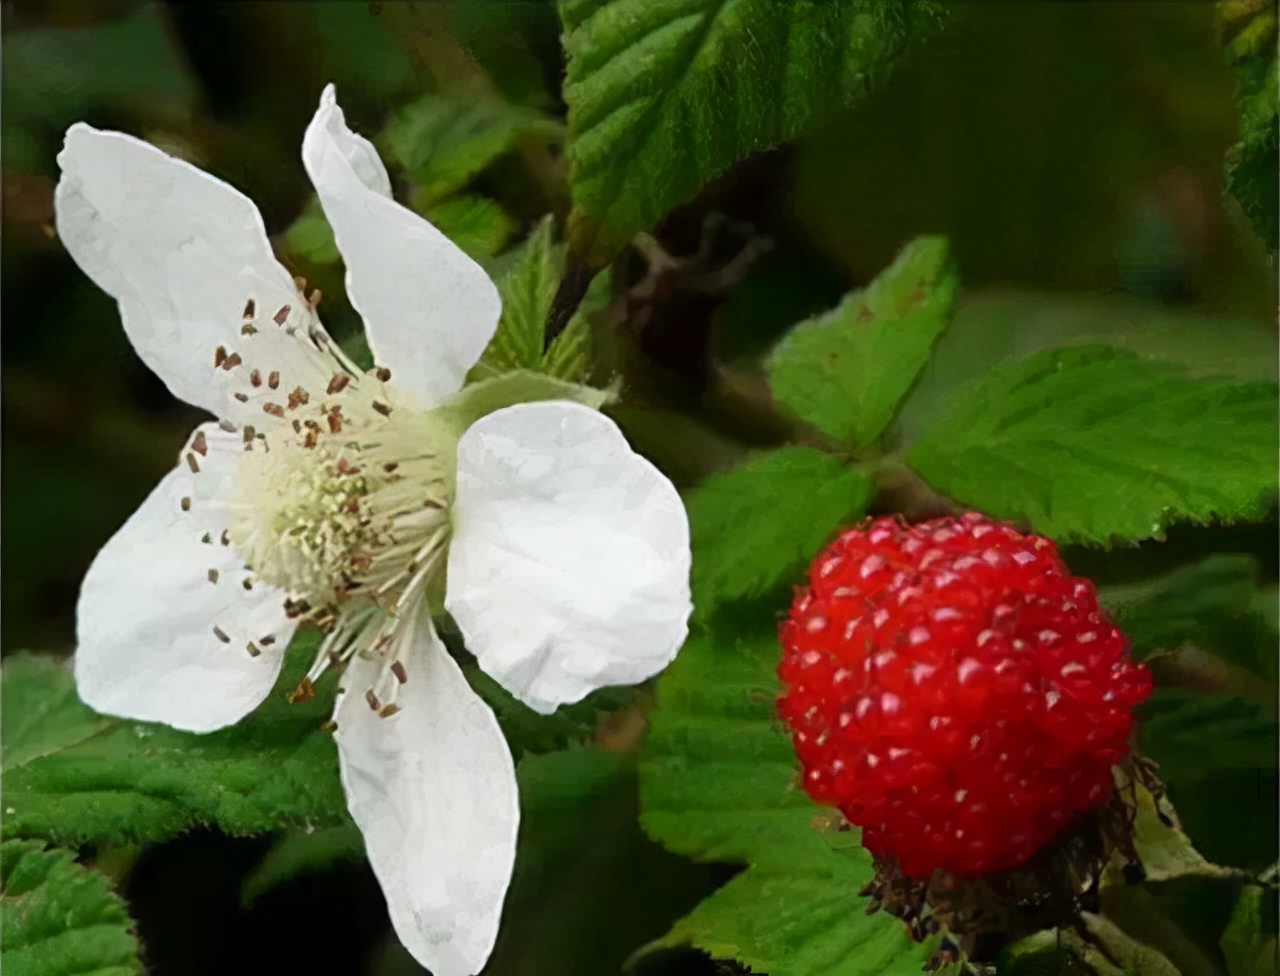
180, 251
569, 566
433, 790
164, 623
428, 309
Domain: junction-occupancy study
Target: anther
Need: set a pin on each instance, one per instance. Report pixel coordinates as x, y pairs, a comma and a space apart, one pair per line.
372, 699
282, 315
314, 300
298, 397
186, 504
192, 463
328, 725
311, 439
274, 409
247, 583
398, 670
249, 433
199, 444
227, 425
390, 466
386, 711
255, 378
232, 361
219, 356
382, 373
338, 383
213, 576
297, 426
225, 539
335, 421
382, 408
243, 398
273, 379
248, 329
252, 648
207, 539
304, 692
267, 641
346, 467
221, 634
250, 309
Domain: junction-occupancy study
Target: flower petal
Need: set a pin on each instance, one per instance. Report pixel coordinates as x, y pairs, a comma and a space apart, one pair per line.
181, 251
429, 310
157, 603
569, 566
433, 790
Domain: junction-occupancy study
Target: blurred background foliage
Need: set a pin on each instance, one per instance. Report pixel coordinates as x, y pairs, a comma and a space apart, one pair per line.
1103, 171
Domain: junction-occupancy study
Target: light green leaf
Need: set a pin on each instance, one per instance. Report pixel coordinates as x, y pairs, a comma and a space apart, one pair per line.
1094, 444
311, 237
300, 853
527, 289
444, 141
666, 94
1249, 942
60, 919
758, 525
718, 783
845, 371
1215, 605
478, 225
76, 777
1131, 957
1165, 850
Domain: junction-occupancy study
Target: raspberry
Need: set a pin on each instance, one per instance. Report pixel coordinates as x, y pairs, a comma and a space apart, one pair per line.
955, 692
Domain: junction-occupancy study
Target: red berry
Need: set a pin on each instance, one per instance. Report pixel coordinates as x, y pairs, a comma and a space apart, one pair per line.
955, 692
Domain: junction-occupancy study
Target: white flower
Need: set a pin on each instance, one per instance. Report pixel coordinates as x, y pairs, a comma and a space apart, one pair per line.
354, 499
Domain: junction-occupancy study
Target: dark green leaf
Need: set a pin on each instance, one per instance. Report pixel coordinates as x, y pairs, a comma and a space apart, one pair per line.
666, 94
1094, 444
1191, 734
718, 783
758, 525
1251, 162
59, 919
1213, 605
300, 853
76, 777
846, 371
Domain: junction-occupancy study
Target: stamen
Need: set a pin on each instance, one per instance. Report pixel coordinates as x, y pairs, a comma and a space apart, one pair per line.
338, 383
274, 409
382, 408
397, 668
282, 315
304, 692
255, 378
192, 463
186, 504
383, 374
219, 633
232, 361
219, 356
386, 711
273, 379
243, 398
199, 444
249, 309
252, 648
372, 699
213, 576
227, 425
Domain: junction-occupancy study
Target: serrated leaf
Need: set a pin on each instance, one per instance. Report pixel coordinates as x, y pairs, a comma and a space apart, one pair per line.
1094, 444
444, 141
60, 919
1249, 941
666, 94
758, 525
718, 783
74, 777
478, 225
527, 290
1251, 162
1215, 604
300, 853
846, 371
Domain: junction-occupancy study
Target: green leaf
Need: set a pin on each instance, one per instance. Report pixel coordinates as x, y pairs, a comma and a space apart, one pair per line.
444, 141
845, 371
478, 225
1094, 444
60, 919
300, 853
1249, 942
666, 94
1215, 605
1164, 848
311, 237
758, 525
76, 777
1193, 734
1131, 957
718, 783
480, 399
527, 289
1251, 162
